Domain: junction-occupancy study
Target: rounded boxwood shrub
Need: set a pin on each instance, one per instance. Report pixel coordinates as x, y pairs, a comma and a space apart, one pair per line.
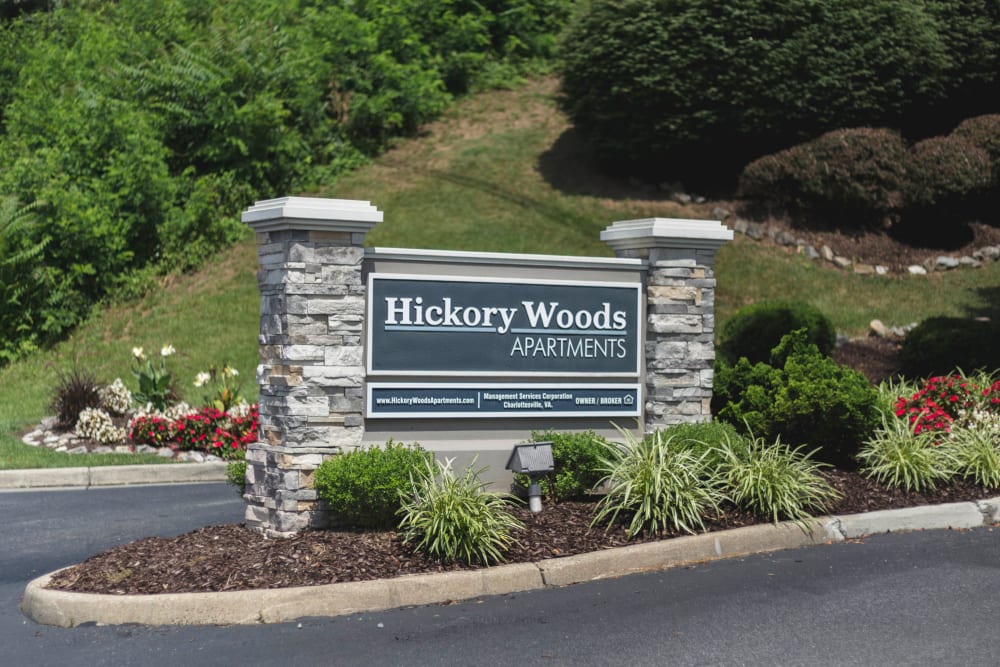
756, 329
364, 486
804, 398
850, 177
577, 461
939, 345
775, 180
944, 170
983, 132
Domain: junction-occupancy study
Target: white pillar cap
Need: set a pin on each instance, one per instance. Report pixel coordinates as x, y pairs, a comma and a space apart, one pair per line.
666, 233
312, 214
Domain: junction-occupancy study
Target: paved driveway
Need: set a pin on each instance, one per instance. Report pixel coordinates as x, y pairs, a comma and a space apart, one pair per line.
925, 598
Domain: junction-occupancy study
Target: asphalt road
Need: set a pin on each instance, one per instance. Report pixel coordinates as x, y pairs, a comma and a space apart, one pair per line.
925, 598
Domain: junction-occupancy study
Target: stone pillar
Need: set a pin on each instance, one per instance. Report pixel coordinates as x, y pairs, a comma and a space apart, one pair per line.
312, 370
680, 318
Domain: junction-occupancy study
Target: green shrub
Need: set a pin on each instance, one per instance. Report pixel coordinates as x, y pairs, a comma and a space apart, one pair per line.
754, 330
939, 345
942, 171
657, 484
652, 80
236, 475
773, 480
364, 486
576, 458
704, 437
804, 398
848, 178
455, 518
899, 458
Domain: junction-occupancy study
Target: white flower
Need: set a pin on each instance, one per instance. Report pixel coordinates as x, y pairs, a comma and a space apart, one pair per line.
97, 425
229, 372
138, 354
202, 379
167, 350
241, 409
175, 412
116, 397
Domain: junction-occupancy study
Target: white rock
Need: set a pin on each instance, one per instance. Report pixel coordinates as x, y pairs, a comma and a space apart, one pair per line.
879, 329
944, 262
916, 270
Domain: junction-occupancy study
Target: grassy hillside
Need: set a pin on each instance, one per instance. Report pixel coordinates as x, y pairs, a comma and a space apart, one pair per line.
501, 172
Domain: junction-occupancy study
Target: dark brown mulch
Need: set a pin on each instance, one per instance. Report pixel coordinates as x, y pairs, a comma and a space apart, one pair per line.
877, 358
231, 557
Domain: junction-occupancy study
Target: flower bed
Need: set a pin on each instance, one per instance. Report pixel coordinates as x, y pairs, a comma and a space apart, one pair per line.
113, 418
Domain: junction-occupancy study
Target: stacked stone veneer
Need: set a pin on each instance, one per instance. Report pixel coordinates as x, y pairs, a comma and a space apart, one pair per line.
312, 336
680, 315
311, 372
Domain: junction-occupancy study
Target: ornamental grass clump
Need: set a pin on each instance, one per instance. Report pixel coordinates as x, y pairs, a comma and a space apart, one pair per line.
976, 453
662, 484
900, 458
76, 391
455, 518
774, 480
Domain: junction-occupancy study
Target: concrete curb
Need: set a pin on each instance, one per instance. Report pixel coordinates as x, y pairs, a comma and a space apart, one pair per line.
166, 473
65, 609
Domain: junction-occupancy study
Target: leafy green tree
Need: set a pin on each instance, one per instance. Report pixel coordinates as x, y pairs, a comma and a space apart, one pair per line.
18, 291
143, 128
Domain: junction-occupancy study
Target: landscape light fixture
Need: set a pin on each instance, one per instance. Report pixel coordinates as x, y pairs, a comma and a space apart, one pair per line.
535, 461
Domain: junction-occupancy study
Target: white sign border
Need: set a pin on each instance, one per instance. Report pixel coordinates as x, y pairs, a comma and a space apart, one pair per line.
369, 320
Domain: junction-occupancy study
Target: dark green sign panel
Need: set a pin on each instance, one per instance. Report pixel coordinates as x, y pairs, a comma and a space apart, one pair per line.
451, 326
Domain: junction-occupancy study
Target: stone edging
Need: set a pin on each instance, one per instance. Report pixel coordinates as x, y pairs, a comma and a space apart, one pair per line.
758, 231
45, 434
65, 609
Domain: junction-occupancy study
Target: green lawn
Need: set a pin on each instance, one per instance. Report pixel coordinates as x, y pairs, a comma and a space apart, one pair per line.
501, 172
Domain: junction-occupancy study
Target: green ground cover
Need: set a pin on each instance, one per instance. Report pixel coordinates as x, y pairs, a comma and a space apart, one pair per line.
482, 178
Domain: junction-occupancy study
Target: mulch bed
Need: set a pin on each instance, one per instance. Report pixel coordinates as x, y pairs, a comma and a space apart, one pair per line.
231, 557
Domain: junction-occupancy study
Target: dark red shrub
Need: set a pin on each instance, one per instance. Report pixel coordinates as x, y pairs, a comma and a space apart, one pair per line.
983, 132
851, 177
944, 170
